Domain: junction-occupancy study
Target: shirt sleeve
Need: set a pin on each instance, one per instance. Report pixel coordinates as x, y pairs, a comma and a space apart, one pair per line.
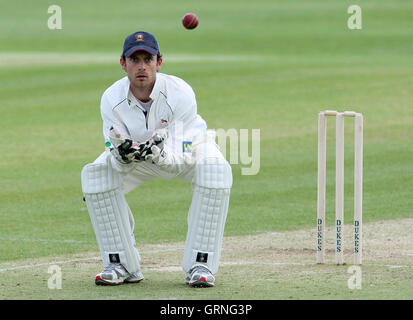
110, 119
185, 125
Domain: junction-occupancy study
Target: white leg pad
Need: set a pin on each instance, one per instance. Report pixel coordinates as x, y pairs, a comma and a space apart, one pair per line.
207, 214
111, 217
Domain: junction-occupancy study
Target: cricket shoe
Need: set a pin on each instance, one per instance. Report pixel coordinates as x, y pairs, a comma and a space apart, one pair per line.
115, 274
200, 276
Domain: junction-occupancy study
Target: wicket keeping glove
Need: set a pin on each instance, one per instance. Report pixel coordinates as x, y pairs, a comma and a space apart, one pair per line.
124, 150
155, 148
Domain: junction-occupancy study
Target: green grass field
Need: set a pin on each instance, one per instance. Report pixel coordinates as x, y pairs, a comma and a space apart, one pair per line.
268, 64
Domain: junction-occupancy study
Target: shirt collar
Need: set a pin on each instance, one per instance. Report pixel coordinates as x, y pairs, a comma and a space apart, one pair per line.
126, 88
155, 90
156, 87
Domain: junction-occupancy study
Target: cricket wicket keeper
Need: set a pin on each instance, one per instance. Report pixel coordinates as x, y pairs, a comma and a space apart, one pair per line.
151, 130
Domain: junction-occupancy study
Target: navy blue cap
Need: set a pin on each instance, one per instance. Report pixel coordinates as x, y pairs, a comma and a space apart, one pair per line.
140, 40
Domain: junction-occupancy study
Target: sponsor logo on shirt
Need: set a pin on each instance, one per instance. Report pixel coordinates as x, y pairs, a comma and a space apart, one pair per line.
187, 146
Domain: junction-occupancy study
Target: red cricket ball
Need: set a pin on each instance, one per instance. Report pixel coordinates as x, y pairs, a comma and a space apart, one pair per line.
190, 21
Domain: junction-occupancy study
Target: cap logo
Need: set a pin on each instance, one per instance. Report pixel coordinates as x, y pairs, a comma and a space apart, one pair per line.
139, 37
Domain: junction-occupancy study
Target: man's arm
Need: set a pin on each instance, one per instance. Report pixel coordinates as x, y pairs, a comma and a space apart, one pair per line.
111, 120
172, 155
117, 138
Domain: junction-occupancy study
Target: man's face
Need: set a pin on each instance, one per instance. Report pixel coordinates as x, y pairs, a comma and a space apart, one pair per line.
141, 68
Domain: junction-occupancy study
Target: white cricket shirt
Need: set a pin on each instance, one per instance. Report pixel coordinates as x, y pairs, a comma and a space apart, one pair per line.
173, 107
